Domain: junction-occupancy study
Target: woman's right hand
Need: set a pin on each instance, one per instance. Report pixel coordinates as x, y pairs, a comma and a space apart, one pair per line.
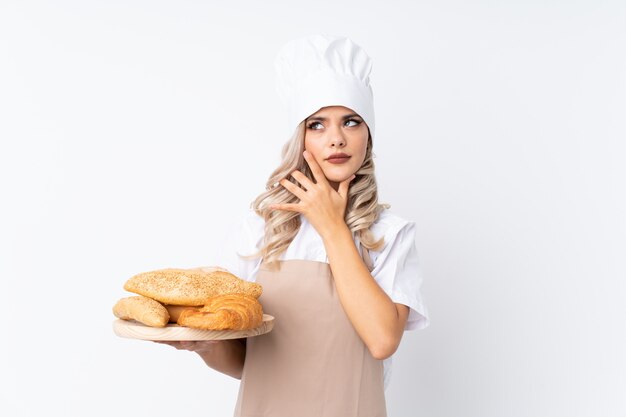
225, 356
200, 346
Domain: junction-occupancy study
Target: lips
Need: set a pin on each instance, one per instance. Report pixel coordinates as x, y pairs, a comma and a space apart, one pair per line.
338, 158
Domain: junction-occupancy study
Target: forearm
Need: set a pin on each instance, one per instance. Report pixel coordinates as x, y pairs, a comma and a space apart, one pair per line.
226, 357
370, 310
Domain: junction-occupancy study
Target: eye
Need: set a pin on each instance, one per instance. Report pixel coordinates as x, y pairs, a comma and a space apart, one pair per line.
310, 125
313, 124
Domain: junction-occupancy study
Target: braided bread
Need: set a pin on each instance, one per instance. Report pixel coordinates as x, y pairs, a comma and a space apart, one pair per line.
225, 312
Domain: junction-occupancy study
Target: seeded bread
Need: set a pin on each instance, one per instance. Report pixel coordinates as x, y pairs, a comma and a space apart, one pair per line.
189, 287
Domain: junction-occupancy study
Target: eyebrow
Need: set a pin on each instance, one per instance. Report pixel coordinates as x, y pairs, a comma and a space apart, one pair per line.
323, 119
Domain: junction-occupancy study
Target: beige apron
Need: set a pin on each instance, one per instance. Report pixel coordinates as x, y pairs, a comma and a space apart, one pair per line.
313, 363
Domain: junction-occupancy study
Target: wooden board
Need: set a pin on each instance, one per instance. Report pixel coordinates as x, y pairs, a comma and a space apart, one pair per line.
135, 330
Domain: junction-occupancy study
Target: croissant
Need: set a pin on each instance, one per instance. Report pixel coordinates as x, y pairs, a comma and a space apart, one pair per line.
189, 287
225, 312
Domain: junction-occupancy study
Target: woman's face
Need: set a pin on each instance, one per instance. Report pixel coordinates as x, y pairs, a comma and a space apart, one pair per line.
337, 138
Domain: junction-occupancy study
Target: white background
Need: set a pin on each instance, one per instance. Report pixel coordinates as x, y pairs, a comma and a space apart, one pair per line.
135, 133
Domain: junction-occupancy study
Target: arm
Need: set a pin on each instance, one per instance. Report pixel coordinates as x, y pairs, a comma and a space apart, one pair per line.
381, 323
376, 318
225, 356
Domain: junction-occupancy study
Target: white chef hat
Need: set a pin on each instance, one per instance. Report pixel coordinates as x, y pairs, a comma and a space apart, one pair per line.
322, 70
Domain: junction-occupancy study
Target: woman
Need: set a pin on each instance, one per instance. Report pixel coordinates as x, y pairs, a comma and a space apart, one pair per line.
339, 272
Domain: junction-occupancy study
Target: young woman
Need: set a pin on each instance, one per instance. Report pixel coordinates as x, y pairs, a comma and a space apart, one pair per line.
339, 272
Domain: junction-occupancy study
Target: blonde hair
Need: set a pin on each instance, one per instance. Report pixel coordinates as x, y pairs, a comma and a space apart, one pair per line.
281, 226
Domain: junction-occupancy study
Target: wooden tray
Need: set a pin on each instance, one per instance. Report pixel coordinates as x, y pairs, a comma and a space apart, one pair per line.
135, 330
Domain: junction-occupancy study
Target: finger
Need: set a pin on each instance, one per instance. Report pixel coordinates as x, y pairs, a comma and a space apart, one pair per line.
320, 178
188, 344
170, 343
303, 180
293, 188
207, 268
286, 207
344, 186
206, 345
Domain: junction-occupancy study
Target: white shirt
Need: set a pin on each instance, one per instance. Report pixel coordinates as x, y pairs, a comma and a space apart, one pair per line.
396, 265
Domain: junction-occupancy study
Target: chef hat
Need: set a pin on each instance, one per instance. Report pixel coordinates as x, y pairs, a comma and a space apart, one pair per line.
321, 70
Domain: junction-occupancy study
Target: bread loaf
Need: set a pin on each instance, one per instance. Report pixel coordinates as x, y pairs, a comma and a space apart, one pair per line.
143, 309
225, 312
189, 287
174, 311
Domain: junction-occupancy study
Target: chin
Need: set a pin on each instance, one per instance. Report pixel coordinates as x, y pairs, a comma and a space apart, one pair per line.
337, 175
335, 178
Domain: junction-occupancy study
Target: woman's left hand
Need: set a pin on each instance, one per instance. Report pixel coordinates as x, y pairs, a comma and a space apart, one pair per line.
322, 206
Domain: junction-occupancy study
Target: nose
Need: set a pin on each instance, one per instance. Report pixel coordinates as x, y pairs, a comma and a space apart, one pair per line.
338, 141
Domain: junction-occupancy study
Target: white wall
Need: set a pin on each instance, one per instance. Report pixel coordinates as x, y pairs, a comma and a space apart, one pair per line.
133, 133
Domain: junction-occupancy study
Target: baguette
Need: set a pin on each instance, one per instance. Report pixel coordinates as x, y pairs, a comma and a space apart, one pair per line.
142, 309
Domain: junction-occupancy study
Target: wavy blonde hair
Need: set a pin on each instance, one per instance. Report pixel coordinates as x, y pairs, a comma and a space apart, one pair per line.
281, 226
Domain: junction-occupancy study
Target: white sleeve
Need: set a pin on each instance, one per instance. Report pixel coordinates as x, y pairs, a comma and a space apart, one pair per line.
397, 271
243, 239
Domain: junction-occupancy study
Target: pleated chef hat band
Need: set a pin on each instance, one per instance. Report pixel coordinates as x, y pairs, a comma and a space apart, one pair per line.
322, 70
